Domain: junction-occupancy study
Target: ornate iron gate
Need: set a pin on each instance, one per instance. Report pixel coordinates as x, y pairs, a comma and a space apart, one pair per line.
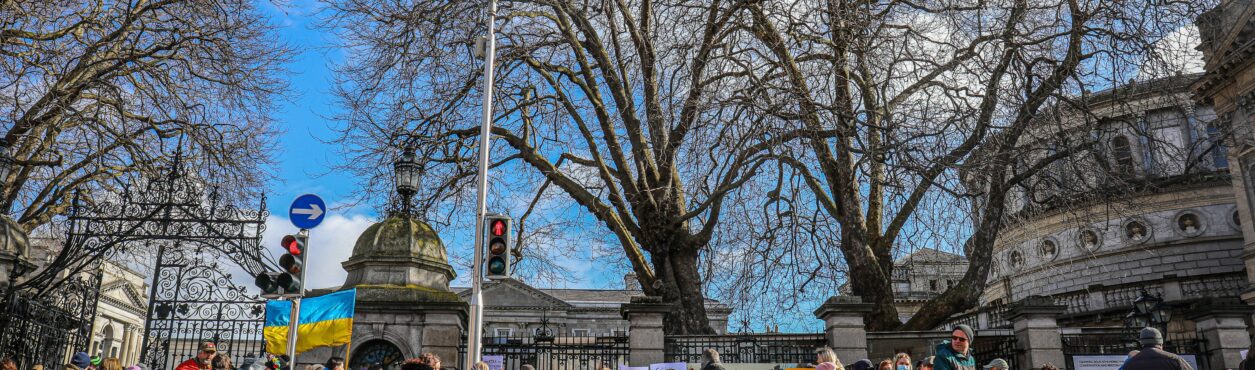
194, 301
50, 314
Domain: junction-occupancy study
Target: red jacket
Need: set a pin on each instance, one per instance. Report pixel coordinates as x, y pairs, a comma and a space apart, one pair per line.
188, 365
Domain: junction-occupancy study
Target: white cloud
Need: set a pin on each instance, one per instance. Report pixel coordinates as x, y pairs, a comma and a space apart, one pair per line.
1174, 54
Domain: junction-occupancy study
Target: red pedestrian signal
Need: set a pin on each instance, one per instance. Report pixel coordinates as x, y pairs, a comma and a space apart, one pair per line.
497, 261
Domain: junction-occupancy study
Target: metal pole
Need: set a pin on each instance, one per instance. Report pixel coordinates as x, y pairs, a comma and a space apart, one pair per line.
294, 322
476, 324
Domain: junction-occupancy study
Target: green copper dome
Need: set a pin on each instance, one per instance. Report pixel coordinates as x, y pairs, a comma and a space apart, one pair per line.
399, 251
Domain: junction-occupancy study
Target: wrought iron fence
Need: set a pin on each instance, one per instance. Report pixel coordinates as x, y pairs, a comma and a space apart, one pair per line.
987, 348
746, 348
1124, 341
549, 352
47, 328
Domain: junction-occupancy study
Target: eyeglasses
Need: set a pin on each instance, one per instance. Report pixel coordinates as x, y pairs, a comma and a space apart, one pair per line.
958, 339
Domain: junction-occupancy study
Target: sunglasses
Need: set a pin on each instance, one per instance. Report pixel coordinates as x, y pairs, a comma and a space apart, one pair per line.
958, 339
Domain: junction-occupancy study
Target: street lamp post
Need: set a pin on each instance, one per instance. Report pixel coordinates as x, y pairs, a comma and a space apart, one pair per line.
407, 173
1149, 311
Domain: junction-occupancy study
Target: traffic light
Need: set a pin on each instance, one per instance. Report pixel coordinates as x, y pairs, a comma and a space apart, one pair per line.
293, 263
497, 263
269, 284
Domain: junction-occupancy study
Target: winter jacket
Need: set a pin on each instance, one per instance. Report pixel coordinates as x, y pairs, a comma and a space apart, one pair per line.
713, 366
191, 364
948, 359
1152, 358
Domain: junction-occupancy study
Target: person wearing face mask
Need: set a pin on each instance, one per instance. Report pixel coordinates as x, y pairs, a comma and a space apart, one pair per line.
902, 361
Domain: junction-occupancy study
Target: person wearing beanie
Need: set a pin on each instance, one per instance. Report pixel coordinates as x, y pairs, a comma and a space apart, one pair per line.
957, 353
1152, 356
80, 360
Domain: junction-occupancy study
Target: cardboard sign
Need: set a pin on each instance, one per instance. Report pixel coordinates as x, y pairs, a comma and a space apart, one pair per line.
495, 362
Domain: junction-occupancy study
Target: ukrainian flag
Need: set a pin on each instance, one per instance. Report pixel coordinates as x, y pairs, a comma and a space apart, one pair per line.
325, 321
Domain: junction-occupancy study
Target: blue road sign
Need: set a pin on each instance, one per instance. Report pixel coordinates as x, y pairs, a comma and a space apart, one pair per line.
307, 211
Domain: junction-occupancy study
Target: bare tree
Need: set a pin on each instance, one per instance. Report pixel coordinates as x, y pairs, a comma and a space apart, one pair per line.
631, 109
916, 93
98, 94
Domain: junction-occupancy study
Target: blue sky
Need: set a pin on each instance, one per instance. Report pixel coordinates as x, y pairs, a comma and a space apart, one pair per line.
304, 161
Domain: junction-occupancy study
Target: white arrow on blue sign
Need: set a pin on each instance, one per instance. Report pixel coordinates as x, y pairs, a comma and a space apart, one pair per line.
307, 211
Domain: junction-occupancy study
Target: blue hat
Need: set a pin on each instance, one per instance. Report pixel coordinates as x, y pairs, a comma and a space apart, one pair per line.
81, 360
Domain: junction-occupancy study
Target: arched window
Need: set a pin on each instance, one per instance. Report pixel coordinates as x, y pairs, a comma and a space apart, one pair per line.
376, 352
1122, 153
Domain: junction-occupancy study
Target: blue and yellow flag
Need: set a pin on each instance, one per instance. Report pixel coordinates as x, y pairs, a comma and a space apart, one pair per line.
325, 321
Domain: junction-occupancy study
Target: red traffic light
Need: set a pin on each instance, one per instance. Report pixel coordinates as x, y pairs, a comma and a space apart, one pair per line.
498, 227
291, 245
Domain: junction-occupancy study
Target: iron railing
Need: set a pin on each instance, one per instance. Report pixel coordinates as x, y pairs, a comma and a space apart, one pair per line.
745, 348
555, 352
46, 329
987, 348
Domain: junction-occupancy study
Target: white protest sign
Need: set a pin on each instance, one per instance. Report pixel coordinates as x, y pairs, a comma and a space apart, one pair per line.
625, 367
669, 366
1097, 362
495, 362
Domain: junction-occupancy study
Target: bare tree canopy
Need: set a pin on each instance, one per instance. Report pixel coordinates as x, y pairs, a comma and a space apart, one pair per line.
747, 145
97, 94
629, 109
916, 93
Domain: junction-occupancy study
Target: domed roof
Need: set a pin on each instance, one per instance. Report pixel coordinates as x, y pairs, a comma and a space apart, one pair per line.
400, 236
399, 251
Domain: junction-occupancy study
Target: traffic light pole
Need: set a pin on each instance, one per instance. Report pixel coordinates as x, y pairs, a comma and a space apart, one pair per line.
476, 324
295, 321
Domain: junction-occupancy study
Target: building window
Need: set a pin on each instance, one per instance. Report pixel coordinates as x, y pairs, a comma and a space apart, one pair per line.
1122, 153
932, 285
503, 332
619, 333
579, 332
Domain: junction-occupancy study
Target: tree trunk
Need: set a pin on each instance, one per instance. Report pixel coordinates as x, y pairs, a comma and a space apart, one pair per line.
680, 284
868, 282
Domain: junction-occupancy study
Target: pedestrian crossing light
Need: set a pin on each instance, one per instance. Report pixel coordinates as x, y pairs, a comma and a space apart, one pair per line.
293, 263
498, 262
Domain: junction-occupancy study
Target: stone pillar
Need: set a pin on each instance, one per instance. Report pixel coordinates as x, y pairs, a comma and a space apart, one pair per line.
1222, 324
1033, 320
441, 330
645, 336
843, 326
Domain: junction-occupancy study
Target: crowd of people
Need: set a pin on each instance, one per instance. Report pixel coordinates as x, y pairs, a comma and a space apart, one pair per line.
954, 354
